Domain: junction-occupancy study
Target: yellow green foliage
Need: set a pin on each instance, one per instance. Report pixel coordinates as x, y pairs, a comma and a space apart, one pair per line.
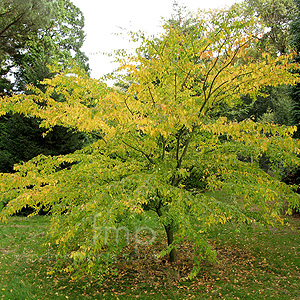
157, 142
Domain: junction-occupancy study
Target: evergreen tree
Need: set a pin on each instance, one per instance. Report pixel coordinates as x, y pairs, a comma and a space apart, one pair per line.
19, 21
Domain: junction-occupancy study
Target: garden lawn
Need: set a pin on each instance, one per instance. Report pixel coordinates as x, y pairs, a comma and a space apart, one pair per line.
253, 263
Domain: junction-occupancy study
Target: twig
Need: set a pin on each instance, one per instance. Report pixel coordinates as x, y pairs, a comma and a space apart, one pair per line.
141, 151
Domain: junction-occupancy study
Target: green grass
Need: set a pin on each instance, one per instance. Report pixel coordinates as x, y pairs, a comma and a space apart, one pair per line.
253, 263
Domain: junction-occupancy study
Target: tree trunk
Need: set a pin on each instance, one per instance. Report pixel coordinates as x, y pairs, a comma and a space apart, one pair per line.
170, 236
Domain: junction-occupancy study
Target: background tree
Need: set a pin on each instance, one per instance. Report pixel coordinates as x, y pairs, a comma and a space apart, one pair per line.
19, 20
295, 41
277, 107
57, 40
159, 140
276, 16
21, 139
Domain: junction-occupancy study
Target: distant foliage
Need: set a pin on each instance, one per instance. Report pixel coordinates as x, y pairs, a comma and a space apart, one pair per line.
276, 15
33, 35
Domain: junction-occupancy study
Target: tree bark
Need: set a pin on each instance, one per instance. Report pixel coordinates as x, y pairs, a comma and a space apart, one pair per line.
170, 236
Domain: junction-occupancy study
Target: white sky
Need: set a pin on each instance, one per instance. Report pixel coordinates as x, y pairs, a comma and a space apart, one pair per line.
103, 18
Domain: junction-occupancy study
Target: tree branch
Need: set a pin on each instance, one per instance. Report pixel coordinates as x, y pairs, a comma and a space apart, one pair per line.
99, 136
141, 151
128, 107
179, 162
216, 76
185, 79
175, 87
151, 95
12, 23
163, 147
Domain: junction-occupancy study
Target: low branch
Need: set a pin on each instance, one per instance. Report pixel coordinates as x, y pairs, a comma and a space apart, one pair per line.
141, 151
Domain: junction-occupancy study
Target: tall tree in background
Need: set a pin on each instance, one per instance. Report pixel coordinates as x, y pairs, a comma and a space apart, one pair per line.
19, 21
277, 16
276, 105
295, 41
60, 42
36, 34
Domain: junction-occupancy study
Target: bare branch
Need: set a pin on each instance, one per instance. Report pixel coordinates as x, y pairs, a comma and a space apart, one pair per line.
217, 75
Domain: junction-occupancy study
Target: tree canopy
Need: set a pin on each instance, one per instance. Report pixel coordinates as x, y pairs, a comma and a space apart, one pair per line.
278, 107
59, 42
295, 41
277, 16
160, 146
36, 34
19, 20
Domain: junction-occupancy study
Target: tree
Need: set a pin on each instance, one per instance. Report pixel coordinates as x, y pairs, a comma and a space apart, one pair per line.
19, 20
59, 42
56, 38
34, 34
21, 139
295, 42
275, 108
159, 145
277, 15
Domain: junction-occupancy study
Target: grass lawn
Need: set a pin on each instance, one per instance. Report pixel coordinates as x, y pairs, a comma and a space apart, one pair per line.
253, 263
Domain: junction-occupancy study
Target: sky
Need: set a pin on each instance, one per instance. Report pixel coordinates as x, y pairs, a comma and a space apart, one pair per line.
107, 21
